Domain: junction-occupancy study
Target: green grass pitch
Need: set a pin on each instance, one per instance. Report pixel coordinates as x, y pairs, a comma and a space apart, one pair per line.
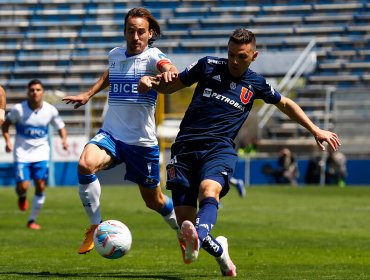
274, 233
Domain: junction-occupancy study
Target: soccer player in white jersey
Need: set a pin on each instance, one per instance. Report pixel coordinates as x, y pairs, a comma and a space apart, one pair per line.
128, 133
31, 148
2, 105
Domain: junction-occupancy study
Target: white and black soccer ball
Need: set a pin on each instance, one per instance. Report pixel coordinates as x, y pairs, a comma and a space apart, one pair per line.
112, 239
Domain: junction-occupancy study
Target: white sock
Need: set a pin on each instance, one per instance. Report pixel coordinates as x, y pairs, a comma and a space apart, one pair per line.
171, 220
90, 198
37, 203
233, 181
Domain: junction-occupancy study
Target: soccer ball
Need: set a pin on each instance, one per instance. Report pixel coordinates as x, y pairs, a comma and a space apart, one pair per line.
112, 239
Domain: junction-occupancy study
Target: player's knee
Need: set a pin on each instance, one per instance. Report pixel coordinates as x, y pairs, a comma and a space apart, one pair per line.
86, 165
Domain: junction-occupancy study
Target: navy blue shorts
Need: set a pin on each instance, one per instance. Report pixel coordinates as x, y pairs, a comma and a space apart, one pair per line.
195, 161
142, 163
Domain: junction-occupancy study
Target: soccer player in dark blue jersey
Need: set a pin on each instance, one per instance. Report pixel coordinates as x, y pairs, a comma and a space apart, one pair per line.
203, 156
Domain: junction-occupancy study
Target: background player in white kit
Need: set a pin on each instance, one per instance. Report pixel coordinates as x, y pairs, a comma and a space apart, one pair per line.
31, 148
128, 133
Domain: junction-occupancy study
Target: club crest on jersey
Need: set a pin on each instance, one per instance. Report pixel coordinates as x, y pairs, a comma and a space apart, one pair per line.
233, 85
245, 95
207, 92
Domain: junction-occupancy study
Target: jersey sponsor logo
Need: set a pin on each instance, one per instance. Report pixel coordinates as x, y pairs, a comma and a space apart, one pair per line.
245, 95
112, 65
217, 78
228, 101
123, 88
233, 85
32, 132
215, 61
208, 93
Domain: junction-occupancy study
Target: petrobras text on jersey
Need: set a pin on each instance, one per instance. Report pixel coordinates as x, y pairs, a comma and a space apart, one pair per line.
228, 101
208, 93
123, 88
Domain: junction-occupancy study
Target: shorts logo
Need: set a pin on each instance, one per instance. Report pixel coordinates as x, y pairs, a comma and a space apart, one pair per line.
149, 181
171, 172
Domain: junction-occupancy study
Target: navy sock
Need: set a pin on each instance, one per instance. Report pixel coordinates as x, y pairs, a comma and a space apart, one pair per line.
212, 246
207, 217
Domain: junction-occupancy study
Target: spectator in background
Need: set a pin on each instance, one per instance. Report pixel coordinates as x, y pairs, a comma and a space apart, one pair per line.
128, 133
336, 169
2, 105
287, 172
31, 148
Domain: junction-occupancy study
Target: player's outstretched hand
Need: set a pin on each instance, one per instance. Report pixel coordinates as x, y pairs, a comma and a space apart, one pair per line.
77, 100
146, 83
8, 147
168, 76
329, 137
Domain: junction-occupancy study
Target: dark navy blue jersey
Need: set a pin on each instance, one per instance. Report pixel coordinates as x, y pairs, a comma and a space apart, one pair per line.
221, 103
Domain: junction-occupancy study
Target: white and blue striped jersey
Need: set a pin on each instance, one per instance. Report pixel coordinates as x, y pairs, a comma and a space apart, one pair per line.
130, 116
31, 139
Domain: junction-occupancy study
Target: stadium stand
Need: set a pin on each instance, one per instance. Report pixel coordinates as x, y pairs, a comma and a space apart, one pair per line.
65, 44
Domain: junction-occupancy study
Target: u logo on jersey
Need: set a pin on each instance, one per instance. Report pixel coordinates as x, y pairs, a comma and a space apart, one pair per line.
245, 95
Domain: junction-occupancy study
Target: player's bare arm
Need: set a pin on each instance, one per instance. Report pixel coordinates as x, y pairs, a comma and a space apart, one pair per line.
159, 84
63, 135
6, 135
83, 98
2, 105
294, 112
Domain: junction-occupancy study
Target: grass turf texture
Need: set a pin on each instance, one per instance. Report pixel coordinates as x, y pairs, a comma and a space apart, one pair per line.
274, 233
